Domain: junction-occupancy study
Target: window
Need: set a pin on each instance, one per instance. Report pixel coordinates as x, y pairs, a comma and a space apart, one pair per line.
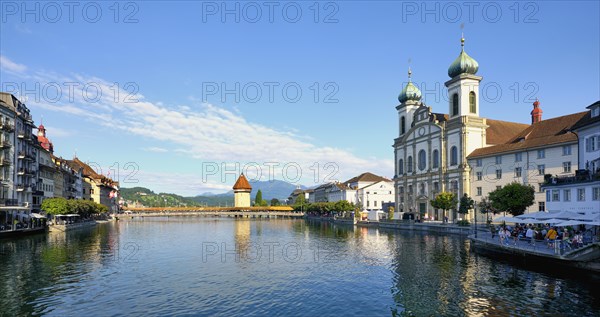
541, 154
478, 191
540, 189
375, 203
436, 159
518, 172
498, 174
422, 160
436, 187
541, 206
402, 125
555, 195
548, 195
567, 150
454, 104
400, 167
567, 195
479, 176
409, 167
499, 159
454, 187
590, 143
472, 102
541, 169
580, 194
518, 157
566, 167
596, 193
498, 187
453, 156
478, 163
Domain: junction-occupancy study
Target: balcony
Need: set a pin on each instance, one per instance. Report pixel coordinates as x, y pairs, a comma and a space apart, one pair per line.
581, 176
7, 126
8, 202
5, 162
5, 144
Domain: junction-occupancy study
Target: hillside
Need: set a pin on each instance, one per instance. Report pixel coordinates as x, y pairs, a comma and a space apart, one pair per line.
270, 189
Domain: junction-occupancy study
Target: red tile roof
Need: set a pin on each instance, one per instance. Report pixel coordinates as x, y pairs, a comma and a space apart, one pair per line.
499, 132
543, 133
366, 177
242, 183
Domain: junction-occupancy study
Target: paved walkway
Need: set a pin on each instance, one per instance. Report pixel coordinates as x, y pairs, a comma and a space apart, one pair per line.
537, 247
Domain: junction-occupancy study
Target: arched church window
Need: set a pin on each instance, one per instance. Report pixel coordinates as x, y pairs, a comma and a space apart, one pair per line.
436, 159
402, 125
455, 104
401, 166
422, 160
409, 165
453, 156
472, 105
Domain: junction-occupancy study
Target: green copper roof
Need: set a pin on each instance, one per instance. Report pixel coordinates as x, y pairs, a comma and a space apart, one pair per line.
410, 91
463, 64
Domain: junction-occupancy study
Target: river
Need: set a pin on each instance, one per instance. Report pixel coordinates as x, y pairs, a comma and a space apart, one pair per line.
275, 267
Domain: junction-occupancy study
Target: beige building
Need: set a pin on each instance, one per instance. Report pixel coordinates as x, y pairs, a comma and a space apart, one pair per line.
97, 187
241, 192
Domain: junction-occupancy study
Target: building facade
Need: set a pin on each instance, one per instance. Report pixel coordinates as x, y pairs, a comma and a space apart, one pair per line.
546, 147
431, 149
579, 190
18, 164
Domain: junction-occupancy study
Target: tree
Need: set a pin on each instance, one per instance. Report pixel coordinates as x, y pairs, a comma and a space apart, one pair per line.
343, 206
390, 212
444, 201
258, 199
300, 203
466, 204
485, 207
513, 198
275, 202
55, 206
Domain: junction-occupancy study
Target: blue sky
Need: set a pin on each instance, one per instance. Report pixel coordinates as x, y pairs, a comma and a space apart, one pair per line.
176, 57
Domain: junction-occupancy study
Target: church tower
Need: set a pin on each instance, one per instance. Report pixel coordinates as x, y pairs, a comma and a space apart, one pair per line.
463, 87
241, 192
409, 98
465, 129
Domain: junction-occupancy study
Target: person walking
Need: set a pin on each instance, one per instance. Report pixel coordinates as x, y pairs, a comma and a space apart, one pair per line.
529, 235
501, 235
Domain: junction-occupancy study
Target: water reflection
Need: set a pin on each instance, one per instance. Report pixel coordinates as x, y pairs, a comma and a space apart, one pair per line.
156, 266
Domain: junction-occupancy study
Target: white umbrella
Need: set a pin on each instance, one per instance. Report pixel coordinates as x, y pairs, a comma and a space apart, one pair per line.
533, 215
552, 221
507, 219
592, 217
558, 215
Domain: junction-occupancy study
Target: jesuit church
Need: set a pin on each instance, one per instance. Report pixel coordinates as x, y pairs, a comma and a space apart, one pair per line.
432, 148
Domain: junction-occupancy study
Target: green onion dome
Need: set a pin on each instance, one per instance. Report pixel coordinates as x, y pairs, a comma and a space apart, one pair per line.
463, 64
410, 92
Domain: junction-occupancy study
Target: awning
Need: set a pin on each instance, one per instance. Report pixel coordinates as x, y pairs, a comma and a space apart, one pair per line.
72, 215
37, 216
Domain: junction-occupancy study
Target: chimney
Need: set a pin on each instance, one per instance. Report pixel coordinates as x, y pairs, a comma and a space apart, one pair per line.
536, 113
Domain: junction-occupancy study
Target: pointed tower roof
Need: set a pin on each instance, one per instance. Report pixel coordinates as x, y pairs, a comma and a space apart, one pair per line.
410, 91
242, 183
463, 64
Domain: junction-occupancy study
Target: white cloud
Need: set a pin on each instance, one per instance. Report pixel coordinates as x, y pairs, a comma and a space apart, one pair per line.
10, 66
211, 134
57, 132
155, 149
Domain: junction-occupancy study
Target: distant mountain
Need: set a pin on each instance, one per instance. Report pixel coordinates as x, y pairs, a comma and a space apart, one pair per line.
270, 189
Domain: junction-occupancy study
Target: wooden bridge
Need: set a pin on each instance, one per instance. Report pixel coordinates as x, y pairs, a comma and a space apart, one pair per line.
244, 212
